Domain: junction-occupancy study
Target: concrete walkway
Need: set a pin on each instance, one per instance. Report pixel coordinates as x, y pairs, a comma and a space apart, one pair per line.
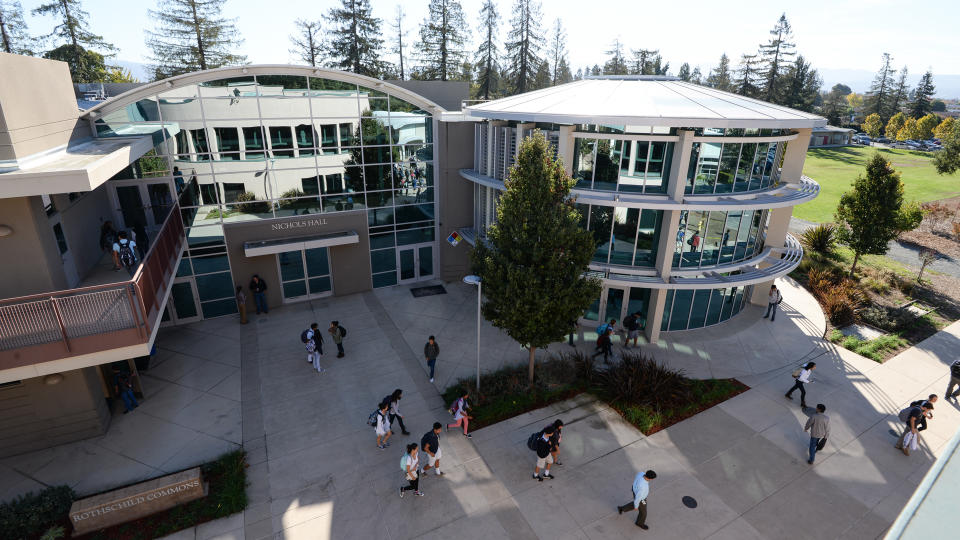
315, 471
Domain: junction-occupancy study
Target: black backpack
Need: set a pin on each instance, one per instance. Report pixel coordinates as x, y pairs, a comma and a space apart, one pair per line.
955, 369
343, 331
303, 336
532, 440
126, 255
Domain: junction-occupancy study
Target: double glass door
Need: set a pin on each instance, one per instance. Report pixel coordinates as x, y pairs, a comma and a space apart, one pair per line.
618, 302
183, 305
305, 274
141, 202
415, 262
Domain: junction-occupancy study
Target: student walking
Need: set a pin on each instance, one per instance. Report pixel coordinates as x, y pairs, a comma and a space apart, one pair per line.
605, 345
641, 489
911, 416
931, 399
819, 427
409, 464
383, 426
395, 416
954, 381
259, 288
241, 304
632, 324
544, 457
123, 384
773, 300
430, 443
430, 351
338, 333
801, 377
108, 236
124, 249
555, 441
459, 411
314, 345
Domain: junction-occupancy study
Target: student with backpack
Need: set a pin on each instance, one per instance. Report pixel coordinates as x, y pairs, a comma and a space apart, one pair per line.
605, 345
430, 351
542, 447
632, 324
338, 333
954, 381
555, 441
773, 300
314, 343
395, 416
911, 416
383, 426
124, 249
459, 411
409, 464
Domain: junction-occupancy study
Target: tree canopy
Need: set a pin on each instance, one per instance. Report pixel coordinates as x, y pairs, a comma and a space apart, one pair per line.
76, 40
192, 35
524, 42
487, 57
353, 42
13, 30
443, 38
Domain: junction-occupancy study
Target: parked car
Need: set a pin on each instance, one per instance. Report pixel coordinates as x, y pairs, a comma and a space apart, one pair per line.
883, 140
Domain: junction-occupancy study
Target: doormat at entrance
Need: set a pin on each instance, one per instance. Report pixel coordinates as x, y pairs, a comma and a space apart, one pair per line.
428, 291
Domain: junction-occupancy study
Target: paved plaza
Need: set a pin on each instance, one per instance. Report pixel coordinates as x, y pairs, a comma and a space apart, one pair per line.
315, 471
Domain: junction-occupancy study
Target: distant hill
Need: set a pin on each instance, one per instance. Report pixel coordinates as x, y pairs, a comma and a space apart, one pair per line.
139, 70
948, 86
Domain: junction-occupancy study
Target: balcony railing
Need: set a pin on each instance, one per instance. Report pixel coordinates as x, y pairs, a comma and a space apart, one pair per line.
88, 320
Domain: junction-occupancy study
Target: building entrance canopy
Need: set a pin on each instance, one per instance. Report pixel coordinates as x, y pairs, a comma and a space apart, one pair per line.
282, 245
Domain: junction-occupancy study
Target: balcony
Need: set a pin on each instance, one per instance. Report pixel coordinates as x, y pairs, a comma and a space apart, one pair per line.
70, 329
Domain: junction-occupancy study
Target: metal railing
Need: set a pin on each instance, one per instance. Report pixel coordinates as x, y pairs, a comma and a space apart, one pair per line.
60, 324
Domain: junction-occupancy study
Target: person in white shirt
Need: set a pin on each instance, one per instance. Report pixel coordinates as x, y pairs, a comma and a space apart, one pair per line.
459, 411
802, 377
126, 254
383, 426
314, 350
409, 463
773, 299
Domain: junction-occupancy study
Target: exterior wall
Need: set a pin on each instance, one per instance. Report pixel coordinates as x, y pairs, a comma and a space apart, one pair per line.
455, 196
32, 240
349, 264
26, 129
36, 415
81, 220
447, 94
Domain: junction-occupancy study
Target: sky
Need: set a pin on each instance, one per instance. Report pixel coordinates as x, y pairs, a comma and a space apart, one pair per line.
847, 35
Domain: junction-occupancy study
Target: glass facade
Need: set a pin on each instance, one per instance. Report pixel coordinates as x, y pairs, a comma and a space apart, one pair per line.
734, 167
624, 236
622, 165
686, 309
269, 146
718, 237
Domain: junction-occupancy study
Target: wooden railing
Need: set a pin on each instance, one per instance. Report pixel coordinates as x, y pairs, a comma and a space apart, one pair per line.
62, 324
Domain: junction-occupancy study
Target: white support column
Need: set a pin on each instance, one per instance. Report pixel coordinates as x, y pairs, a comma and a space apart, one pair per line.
492, 126
565, 148
632, 156
679, 166
658, 299
794, 156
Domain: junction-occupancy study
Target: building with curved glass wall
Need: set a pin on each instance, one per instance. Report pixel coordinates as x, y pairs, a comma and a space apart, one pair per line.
687, 190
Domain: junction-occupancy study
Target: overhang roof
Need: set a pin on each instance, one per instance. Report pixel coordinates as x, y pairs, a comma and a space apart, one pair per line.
643, 101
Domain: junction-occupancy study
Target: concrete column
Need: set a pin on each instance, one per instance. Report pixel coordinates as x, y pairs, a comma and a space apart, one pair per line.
565, 148
658, 302
794, 156
680, 164
779, 223
632, 164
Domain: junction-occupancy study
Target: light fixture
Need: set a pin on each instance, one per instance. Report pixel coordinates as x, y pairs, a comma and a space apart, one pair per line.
6, 230
52, 379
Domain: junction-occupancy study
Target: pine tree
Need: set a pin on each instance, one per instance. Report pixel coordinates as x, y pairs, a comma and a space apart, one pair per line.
487, 56
641, 63
835, 106
777, 54
900, 92
684, 72
872, 213
558, 55
75, 38
306, 42
879, 97
617, 64
192, 35
443, 35
920, 104
534, 264
801, 86
399, 34
523, 44
13, 30
719, 77
696, 77
353, 43
747, 76
657, 67
542, 79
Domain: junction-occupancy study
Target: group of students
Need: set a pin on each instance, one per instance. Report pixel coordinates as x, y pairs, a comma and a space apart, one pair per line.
125, 251
313, 342
546, 443
605, 332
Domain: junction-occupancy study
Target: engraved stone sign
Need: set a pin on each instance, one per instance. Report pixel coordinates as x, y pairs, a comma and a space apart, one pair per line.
136, 501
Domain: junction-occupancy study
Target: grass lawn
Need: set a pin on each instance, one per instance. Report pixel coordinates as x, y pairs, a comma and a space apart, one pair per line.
836, 168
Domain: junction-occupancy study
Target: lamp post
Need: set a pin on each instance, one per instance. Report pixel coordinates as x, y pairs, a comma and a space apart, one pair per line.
475, 280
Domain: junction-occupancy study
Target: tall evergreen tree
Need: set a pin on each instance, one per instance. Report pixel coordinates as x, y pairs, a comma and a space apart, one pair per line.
617, 64
684, 72
835, 106
801, 86
192, 35
657, 67
542, 79
399, 33
487, 57
901, 92
747, 76
75, 38
776, 56
558, 55
524, 42
13, 30
878, 98
443, 35
354, 43
306, 42
535, 261
921, 102
696, 77
641, 62
720, 77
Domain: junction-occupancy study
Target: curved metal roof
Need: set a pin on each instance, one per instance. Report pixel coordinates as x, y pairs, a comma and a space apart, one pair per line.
197, 77
643, 101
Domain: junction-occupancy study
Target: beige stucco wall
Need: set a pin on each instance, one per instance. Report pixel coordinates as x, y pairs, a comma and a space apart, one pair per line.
34, 414
349, 264
455, 196
30, 263
38, 107
81, 221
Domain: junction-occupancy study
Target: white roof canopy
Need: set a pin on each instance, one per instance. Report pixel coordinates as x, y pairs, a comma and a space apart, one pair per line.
644, 101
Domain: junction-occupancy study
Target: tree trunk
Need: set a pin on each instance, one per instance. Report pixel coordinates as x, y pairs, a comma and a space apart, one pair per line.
856, 257
533, 352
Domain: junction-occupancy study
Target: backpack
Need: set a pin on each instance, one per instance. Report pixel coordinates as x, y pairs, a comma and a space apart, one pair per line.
403, 462
303, 336
126, 254
955, 369
453, 407
372, 419
796, 373
904, 414
532, 440
343, 331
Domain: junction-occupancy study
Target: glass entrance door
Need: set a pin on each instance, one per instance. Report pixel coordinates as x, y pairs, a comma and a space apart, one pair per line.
141, 202
183, 304
613, 306
617, 303
305, 274
415, 263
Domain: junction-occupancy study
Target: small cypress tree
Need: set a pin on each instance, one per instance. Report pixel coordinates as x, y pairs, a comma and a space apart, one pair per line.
533, 268
873, 213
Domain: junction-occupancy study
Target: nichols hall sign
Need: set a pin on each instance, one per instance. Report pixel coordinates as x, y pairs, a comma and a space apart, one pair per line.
301, 224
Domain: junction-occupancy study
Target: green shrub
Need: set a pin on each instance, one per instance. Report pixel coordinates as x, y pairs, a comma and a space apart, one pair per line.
641, 380
874, 349
876, 285
836, 336
33, 514
248, 204
886, 318
821, 238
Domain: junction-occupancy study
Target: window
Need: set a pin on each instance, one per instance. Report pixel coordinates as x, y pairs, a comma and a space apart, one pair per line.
199, 137
346, 136
228, 143
253, 140
305, 139
61, 239
328, 138
281, 141
183, 149
232, 191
